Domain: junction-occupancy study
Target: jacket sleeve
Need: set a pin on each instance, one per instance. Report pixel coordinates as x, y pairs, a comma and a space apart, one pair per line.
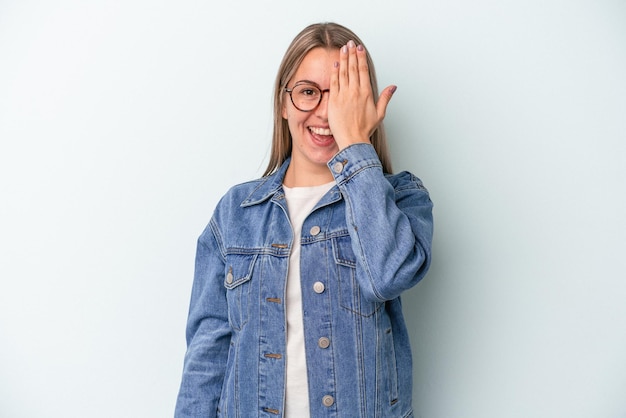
390, 225
208, 332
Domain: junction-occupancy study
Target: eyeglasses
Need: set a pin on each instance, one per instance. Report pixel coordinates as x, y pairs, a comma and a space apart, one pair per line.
305, 96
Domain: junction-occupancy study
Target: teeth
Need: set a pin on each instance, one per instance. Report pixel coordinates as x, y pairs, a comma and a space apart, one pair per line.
321, 131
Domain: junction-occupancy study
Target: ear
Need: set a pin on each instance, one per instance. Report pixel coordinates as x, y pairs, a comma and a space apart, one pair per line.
284, 112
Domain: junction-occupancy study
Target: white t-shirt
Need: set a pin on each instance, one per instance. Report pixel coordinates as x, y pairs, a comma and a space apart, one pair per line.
300, 202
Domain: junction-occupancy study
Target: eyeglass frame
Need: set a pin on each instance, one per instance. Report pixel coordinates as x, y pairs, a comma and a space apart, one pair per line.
299, 83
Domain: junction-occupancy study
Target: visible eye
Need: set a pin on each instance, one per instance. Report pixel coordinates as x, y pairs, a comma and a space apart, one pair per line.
307, 92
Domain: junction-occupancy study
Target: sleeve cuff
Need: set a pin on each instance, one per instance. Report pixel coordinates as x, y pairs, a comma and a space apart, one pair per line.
353, 159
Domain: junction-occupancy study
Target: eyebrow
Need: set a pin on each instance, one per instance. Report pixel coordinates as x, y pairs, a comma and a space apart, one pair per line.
307, 82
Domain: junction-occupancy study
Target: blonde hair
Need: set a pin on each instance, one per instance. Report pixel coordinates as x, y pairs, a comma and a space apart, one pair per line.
325, 35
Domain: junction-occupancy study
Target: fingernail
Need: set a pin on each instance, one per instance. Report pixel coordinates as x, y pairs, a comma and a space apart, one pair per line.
344, 49
350, 43
393, 89
360, 48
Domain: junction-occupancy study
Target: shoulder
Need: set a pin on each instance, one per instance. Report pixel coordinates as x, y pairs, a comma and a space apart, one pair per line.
238, 193
405, 181
228, 212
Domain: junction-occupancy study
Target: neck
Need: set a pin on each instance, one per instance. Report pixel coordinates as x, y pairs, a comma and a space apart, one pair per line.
307, 178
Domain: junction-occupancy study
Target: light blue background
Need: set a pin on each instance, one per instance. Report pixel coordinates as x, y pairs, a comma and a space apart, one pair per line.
123, 122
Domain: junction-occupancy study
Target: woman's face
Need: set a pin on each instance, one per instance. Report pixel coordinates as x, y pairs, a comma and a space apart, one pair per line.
313, 144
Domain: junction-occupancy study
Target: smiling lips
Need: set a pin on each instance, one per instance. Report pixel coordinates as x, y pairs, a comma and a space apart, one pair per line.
320, 131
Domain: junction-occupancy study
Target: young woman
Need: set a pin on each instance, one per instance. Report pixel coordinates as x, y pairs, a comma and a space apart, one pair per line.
295, 308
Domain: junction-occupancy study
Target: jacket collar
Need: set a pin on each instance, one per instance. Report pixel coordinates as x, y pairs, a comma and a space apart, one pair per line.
272, 185
268, 186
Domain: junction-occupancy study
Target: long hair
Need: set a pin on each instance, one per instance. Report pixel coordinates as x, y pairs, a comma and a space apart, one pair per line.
329, 36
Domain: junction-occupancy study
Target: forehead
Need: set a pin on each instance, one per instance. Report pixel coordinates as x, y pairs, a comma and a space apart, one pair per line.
317, 65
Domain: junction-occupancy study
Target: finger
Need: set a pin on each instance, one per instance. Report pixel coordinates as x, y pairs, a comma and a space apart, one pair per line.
364, 73
343, 67
353, 64
334, 78
383, 101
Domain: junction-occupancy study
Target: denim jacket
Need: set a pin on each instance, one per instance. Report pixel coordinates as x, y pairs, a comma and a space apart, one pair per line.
365, 242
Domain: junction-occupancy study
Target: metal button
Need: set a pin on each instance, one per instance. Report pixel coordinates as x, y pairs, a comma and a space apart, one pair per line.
229, 278
328, 400
315, 230
318, 287
338, 167
323, 342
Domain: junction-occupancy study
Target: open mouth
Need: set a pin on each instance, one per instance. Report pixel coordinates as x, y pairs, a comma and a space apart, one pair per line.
322, 136
320, 131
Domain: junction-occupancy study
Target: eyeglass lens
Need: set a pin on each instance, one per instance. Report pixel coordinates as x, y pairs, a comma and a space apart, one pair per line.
306, 96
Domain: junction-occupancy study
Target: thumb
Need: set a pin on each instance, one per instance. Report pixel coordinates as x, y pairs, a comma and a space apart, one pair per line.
383, 100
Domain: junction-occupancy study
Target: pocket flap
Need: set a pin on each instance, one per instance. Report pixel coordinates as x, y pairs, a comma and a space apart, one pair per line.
238, 269
342, 251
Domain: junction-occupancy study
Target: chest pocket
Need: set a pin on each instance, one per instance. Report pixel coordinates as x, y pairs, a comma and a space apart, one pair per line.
350, 295
237, 277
